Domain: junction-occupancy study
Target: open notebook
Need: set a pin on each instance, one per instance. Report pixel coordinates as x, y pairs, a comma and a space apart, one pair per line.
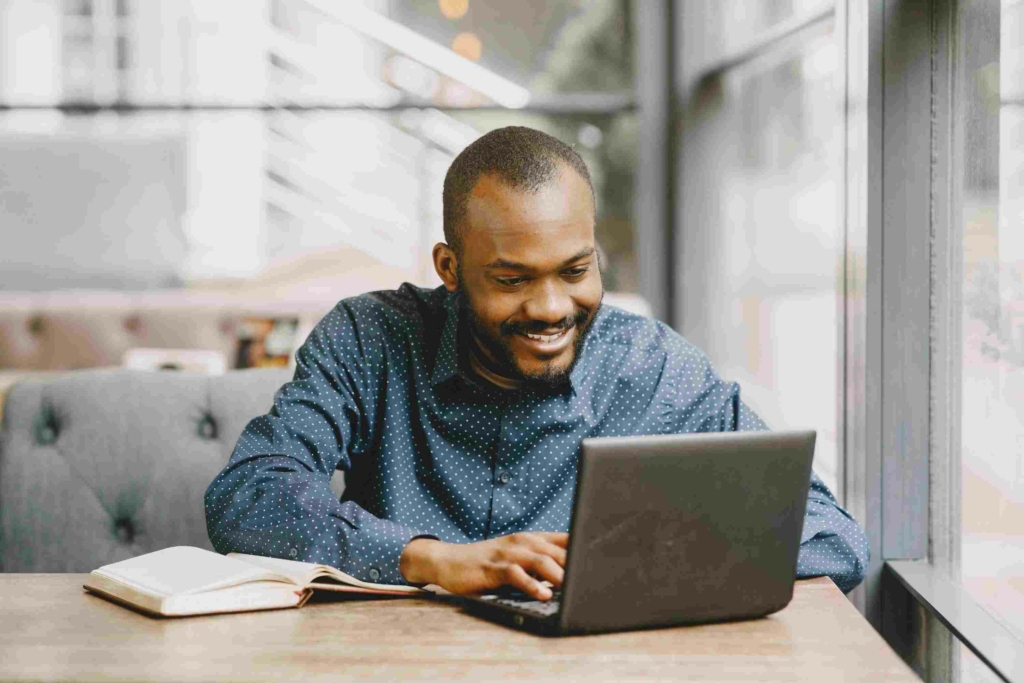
183, 580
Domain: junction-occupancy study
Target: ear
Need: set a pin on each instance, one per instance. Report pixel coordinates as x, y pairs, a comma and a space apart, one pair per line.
446, 264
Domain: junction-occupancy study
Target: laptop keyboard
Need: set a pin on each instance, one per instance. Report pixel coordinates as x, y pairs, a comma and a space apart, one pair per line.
521, 601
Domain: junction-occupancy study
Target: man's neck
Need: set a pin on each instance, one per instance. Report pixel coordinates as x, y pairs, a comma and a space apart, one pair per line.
483, 366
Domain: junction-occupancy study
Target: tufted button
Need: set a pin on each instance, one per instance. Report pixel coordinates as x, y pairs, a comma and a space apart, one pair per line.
374, 574
46, 427
35, 325
132, 324
293, 553
124, 530
47, 435
207, 428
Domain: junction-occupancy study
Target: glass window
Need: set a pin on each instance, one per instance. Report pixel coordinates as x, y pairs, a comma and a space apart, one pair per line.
992, 541
375, 52
973, 669
549, 47
715, 32
240, 188
761, 241
169, 199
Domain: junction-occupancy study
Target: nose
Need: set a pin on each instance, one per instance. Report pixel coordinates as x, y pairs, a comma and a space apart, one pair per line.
549, 302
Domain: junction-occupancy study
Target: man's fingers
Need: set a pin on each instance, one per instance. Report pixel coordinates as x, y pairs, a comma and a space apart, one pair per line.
559, 538
517, 577
544, 567
556, 553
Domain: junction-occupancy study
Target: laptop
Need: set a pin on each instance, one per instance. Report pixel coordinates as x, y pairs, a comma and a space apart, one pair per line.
671, 530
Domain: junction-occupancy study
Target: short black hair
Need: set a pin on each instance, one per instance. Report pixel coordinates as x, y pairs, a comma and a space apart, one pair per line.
523, 158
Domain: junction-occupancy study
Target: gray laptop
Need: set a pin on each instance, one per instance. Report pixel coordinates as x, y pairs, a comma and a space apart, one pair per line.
671, 530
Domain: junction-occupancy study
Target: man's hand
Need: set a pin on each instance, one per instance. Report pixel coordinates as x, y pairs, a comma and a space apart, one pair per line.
520, 560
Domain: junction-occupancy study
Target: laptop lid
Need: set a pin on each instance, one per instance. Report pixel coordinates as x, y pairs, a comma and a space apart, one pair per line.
685, 528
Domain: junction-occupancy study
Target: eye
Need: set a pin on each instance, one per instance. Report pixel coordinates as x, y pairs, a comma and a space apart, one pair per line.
510, 281
577, 272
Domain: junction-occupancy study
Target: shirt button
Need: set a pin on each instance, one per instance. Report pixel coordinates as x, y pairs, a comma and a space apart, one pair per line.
293, 552
374, 574
504, 477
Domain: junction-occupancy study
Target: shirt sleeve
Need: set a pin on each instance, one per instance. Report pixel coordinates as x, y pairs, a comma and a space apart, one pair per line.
832, 543
274, 497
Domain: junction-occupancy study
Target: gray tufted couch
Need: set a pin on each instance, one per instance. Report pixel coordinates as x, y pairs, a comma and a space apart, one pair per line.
101, 465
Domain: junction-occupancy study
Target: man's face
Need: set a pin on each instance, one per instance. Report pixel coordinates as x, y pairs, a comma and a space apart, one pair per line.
529, 275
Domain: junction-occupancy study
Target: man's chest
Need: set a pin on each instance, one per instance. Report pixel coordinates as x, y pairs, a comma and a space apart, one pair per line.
505, 433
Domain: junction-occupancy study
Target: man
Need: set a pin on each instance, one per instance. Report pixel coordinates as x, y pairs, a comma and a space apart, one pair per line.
457, 414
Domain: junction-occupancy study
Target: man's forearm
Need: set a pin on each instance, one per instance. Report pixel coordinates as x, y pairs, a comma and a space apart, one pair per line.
272, 505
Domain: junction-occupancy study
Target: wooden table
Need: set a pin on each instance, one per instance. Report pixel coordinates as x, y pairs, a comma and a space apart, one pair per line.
51, 630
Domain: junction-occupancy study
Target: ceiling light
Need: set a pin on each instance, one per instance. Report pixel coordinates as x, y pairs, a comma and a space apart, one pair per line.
468, 45
453, 9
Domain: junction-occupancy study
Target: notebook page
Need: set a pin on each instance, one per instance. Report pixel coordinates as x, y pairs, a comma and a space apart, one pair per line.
184, 570
303, 573
299, 572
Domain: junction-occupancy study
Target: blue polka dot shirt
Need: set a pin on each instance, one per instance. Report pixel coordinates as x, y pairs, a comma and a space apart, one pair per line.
382, 392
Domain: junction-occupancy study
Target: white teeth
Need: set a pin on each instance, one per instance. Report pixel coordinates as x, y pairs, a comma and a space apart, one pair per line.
545, 338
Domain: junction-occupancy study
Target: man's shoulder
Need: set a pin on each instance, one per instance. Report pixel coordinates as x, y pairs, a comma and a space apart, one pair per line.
406, 306
371, 323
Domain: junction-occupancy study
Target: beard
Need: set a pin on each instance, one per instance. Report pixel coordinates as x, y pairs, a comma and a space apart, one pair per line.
500, 358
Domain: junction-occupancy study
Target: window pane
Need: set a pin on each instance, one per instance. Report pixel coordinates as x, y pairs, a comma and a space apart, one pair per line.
548, 47
302, 200
236, 52
993, 341
248, 192
973, 670
760, 237
718, 30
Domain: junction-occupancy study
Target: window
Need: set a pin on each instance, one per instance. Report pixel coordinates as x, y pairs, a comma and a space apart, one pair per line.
287, 137
761, 240
992, 534
943, 349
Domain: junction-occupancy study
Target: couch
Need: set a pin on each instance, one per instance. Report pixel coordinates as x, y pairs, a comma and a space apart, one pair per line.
77, 330
100, 465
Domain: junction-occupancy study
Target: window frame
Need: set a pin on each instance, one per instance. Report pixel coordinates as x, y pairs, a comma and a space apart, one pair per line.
905, 64
900, 326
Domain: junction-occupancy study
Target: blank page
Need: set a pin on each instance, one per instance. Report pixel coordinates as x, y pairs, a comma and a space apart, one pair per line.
184, 570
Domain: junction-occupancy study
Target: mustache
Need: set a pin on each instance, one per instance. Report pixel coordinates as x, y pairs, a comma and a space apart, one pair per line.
577, 319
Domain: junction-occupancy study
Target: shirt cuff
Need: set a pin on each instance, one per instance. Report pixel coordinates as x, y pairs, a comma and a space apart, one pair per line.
374, 551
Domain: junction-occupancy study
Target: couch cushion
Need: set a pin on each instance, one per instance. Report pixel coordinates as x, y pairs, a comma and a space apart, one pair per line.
101, 465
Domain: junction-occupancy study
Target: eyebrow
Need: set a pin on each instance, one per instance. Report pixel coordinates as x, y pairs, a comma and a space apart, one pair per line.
512, 265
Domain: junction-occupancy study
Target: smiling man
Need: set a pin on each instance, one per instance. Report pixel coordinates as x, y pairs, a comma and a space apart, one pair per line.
457, 413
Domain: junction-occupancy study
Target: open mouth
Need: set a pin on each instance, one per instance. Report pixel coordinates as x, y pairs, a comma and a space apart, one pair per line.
547, 344
547, 338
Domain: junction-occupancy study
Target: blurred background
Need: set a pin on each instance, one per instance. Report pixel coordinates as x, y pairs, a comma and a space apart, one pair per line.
215, 174
219, 158
193, 183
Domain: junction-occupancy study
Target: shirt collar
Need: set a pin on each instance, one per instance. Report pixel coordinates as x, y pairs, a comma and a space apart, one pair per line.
446, 364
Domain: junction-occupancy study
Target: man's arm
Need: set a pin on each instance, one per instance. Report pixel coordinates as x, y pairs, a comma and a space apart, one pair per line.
274, 496
832, 543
